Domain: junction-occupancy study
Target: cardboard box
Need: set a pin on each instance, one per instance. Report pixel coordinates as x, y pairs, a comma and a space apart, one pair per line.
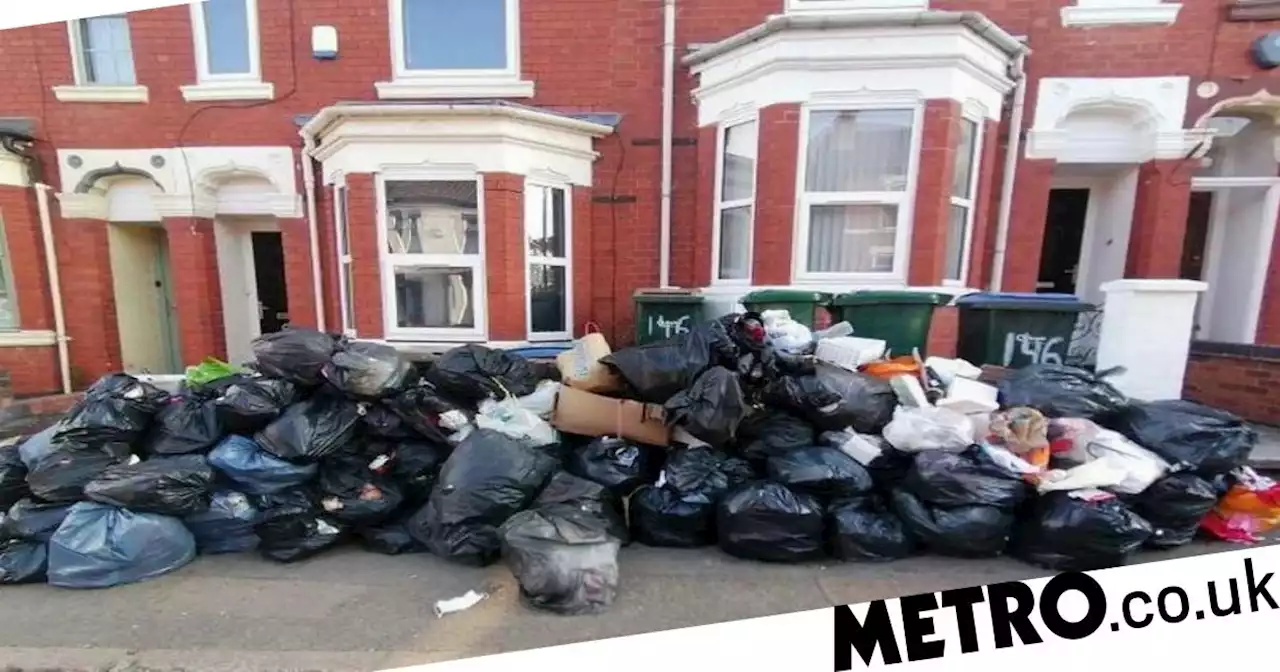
587, 414
580, 366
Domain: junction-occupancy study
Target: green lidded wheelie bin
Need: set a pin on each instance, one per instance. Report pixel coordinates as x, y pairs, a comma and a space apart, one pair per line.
1014, 330
802, 304
901, 318
663, 313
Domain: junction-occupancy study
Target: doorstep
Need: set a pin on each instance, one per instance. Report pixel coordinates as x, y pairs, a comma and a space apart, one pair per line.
1266, 455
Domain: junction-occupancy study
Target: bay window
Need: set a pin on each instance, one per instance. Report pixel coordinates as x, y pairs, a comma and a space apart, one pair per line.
433, 269
857, 179
964, 184
735, 202
547, 249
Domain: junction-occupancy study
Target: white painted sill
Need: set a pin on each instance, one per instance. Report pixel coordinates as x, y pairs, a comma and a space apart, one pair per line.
1128, 14
27, 339
219, 91
91, 93
427, 87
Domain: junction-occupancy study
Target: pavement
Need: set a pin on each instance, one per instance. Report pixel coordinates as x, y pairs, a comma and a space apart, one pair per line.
350, 610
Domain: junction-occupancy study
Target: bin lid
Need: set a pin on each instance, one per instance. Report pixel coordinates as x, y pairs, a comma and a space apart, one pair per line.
1025, 301
785, 296
539, 351
668, 296
898, 297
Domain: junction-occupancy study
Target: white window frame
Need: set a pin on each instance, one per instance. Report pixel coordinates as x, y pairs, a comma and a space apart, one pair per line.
722, 134
532, 183
412, 83
6, 274
83, 91
1084, 13
867, 6
903, 200
388, 261
968, 202
236, 86
342, 250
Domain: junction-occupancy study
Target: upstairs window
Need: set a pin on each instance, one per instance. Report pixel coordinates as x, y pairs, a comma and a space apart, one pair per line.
102, 51
226, 34
444, 37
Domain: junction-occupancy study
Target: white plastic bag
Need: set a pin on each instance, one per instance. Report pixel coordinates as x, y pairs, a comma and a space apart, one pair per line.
1102, 473
1091, 443
510, 418
784, 333
915, 429
543, 399
1008, 461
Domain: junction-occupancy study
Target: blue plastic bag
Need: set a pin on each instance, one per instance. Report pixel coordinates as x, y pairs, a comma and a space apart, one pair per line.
254, 471
227, 527
100, 546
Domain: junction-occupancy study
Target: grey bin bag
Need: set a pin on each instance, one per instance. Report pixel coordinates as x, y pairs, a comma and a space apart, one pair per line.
100, 546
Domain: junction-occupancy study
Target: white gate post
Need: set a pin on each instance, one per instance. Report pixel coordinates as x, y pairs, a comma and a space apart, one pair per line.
1146, 328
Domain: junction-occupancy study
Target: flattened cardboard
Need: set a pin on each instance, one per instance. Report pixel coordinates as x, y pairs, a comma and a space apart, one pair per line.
587, 414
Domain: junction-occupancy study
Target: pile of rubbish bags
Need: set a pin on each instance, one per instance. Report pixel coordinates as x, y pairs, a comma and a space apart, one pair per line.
748, 432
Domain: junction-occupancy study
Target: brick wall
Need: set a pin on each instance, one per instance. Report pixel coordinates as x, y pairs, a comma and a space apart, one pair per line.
1244, 383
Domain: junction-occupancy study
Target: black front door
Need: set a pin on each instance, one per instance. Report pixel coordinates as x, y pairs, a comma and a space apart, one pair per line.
1063, 234
273, 297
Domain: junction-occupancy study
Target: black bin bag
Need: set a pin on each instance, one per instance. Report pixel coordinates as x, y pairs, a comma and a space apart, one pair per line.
310, 430
867, 529
658, 371
296, 355
60, 475
947, 479
382, 423
426, 411
169, 486
226, 526
590, 497
1175, 505
664, 518
353, 494
701, 470
248, 406
23, 562
100, 546
413, 465
390, 538
13, 477
186, 425
821, 471
1063, 392
487, 479
472, 373
769, 433
116, 409
961, 531
368, 370
833, 399
770, 522
1079, 532
30, 520
293, 531
711, 409
254, 471
1209, 440
617, 464
564, 559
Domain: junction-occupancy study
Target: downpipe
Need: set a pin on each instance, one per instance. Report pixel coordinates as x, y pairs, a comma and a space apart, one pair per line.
668, 132
1012, 153
55, 285
313, 227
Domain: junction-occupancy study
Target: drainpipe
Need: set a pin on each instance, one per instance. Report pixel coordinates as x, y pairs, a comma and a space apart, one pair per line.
1012, 153
313, 227
668, 131
55, 285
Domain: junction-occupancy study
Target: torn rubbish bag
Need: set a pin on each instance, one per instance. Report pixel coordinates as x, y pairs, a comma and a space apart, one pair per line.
310, 430
23, 562
1175, 505
226, 526
510, 418
116, 409
1210, 440
771, 523
100, 546
60, 476
486, 480
32, 521
1250, 508
834, 399
564, 559
711, 409
658, 371
1063, 392
296, 355
866, 528
662, 517
368, 370
250, 405
970, 478
414, 465
568, 490
1080, 531
960, 531
1081, 442
169, 486
352, 494
621, 466
821, 471
291, 533
13, 477
472, 373
426, 411
254, 471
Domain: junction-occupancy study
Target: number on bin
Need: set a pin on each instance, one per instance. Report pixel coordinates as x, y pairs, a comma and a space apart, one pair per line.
669, 328
1038, 349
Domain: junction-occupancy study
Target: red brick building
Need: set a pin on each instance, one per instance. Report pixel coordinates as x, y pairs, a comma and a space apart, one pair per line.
511, 171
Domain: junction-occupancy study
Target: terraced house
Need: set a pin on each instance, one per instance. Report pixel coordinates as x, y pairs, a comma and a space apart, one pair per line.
428, 172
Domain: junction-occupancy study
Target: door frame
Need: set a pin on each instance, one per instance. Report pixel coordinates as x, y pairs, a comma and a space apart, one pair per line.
1213, 251
1091, 184
240, 229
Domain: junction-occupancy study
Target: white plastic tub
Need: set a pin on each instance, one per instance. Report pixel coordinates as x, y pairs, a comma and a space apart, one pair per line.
850, 352
970, 397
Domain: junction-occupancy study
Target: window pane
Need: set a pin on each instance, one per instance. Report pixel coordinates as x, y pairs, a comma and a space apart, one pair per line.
451, 35
740, 147
349, 313
8, 306
735, 244
226, 25
864, 150
344, 235
432, 218
956, 226
545, 222
852, 238
106, 52
547, 298
440, 298
960, 186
